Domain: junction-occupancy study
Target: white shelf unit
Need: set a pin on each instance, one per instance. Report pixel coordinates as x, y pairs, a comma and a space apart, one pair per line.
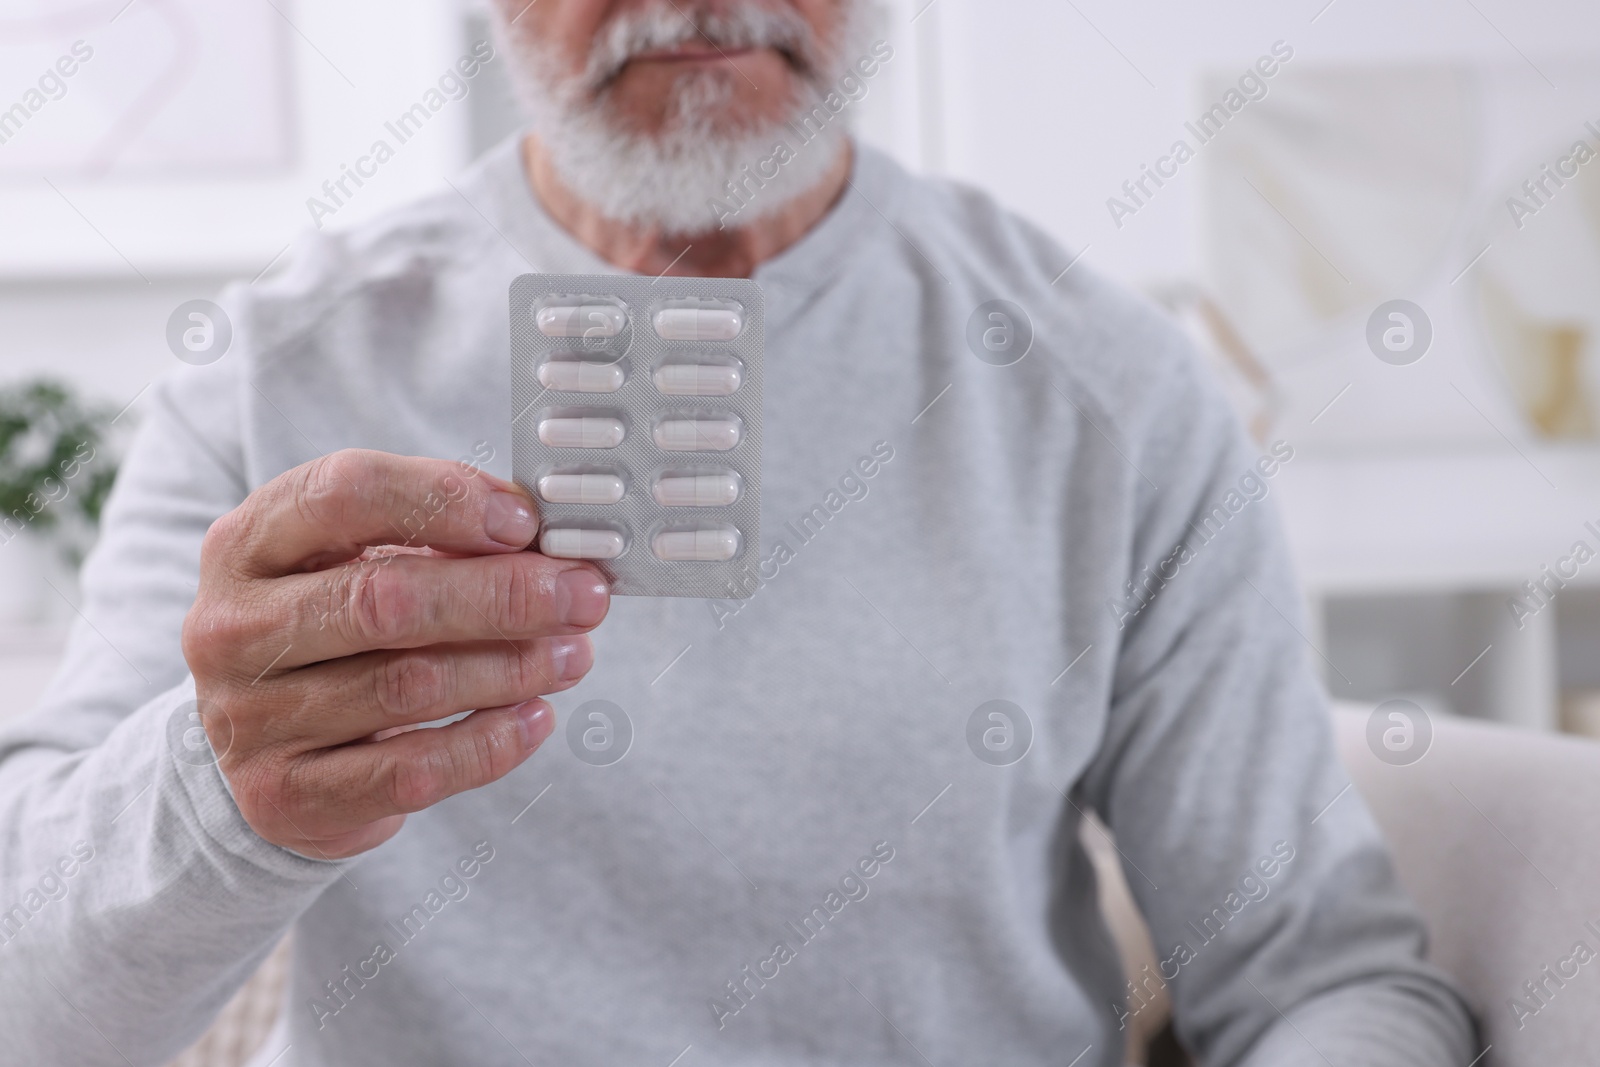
1475, 524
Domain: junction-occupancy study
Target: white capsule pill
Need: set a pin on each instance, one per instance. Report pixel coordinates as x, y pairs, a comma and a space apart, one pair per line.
585, 432
580, 376
697, 379
580, 320
696, 490
697, 435
698, 324
714, 544
571, 543
581, 488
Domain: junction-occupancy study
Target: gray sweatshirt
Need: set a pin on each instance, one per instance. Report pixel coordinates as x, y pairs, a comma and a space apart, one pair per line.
834, 823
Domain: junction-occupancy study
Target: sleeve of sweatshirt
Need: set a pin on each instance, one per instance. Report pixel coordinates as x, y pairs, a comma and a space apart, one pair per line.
134, 899
1281, 930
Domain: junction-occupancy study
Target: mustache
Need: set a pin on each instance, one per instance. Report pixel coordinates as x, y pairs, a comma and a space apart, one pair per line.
669, 24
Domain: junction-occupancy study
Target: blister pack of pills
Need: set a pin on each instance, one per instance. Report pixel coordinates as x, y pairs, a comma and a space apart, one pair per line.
637, 406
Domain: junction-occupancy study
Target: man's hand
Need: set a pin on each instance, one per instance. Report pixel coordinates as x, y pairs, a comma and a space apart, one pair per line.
312, 656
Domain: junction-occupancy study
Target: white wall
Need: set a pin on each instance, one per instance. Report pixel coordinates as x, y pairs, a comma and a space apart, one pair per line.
1041, 109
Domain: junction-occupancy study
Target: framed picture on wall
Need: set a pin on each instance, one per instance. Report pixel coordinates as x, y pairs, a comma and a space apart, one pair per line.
1468, 192
181, 136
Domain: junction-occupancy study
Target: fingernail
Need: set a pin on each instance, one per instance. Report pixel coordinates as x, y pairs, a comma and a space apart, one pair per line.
537, 722
584, 597
510, 520
571, 657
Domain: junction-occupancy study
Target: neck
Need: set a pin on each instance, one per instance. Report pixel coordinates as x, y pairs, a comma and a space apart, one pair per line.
730, 253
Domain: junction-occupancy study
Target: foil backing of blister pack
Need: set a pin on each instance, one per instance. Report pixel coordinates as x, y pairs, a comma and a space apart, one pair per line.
642, 407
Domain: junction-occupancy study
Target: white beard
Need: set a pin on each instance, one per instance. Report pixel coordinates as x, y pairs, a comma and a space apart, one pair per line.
674, 180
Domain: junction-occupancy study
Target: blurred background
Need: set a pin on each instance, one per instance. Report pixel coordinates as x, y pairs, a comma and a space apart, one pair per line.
1337, 157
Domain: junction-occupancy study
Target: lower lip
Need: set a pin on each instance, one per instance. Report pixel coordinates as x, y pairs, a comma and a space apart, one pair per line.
712, 56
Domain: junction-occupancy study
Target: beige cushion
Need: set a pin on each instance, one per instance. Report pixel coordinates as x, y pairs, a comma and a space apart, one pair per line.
242, 1027
1496, 833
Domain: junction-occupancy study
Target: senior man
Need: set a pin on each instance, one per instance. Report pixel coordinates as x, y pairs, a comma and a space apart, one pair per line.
823, 842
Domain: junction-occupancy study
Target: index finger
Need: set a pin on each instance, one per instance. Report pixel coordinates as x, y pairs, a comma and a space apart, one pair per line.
331, 509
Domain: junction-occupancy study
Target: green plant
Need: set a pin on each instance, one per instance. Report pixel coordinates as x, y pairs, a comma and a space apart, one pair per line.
53, 466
